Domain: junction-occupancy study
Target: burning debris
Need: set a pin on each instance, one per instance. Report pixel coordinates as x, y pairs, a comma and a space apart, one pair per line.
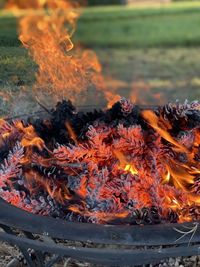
125, 165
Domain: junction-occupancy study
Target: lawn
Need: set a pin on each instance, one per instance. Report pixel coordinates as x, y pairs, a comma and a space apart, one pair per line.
150, 51
162, 26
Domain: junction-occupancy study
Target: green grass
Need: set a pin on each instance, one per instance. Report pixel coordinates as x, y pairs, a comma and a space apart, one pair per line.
153, 31
162, 26
8, 32
16, 65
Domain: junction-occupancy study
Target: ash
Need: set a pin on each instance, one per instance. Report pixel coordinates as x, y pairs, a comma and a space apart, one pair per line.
123, 165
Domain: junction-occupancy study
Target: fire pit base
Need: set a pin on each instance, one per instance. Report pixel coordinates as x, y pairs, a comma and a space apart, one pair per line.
40, 237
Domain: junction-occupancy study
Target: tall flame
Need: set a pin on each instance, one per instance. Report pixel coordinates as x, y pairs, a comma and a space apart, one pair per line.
46, 29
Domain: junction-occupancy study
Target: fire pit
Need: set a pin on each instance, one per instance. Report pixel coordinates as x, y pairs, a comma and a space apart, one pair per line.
110, 186
121, 239
100, 244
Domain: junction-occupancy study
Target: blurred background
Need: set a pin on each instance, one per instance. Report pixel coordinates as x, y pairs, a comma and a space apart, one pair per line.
150, 49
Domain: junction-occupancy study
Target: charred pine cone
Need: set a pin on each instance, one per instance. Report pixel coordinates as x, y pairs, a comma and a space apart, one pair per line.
183, 116
192, 211
122, 112
126, 106
196, 186
147, 216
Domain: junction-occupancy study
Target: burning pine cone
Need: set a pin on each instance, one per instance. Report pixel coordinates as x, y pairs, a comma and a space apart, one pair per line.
126, 106
178, 110
196, 186
192, 211
182, 116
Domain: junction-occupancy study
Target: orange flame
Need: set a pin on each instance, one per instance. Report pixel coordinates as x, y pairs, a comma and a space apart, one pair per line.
53, 190
153, 120
71, 132
131, 169
124, 165
46, 30
30, 137
180, 177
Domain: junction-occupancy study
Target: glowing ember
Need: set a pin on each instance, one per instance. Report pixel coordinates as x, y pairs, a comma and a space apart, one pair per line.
131, 169
123, 165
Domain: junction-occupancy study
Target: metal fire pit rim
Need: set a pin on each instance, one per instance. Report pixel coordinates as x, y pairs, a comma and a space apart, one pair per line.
148, 235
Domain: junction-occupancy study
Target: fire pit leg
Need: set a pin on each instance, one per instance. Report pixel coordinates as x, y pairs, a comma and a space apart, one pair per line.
24, 251
53, 261
32, 257
13, 263
37, 254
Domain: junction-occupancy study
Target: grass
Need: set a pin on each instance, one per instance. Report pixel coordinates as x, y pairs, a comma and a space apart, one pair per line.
16, 65
163, 26
149, 51
156, 31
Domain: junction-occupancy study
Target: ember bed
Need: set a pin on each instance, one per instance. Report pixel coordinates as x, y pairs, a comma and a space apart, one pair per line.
120, 188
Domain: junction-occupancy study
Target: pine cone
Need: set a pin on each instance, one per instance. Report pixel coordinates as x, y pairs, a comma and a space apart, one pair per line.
196, 186
192, 211
155, 215
146, 216
126, 106
179, 111
172, 217
184, 116
186, 138
197, 155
